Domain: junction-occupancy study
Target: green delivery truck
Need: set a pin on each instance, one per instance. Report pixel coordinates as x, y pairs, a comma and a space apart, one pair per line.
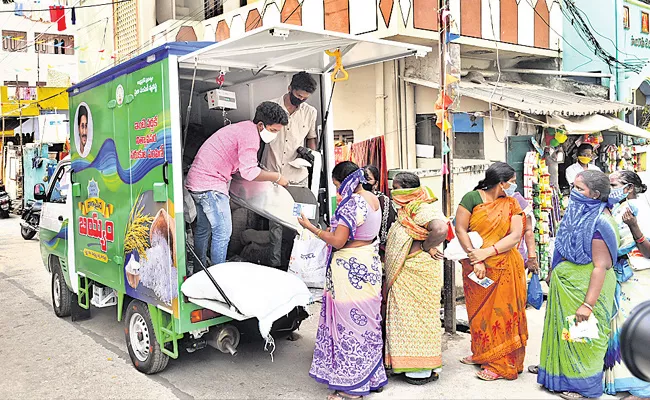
114, 230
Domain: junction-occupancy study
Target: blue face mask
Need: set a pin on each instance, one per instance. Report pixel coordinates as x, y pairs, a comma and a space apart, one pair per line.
617, 195
510, 191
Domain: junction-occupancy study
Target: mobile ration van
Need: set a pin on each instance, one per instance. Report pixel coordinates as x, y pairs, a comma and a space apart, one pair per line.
113, 226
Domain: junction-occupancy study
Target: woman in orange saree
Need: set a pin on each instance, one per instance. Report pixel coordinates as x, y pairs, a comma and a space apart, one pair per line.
497, 312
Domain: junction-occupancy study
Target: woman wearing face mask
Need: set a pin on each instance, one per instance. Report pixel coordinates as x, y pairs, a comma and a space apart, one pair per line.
414, 282
632, 275
348, 354
497, 314
582, 288
388, 212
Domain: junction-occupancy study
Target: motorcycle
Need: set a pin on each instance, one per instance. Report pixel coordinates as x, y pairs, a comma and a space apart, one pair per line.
5, 203
31, 219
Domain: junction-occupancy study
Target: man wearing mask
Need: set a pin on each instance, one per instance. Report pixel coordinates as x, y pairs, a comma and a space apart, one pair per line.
231, 149
585, 156
283, 155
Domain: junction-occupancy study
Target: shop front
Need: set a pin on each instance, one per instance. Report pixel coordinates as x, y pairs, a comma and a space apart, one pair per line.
547, 129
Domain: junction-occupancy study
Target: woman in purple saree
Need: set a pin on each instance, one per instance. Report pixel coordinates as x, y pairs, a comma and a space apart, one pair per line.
349, 346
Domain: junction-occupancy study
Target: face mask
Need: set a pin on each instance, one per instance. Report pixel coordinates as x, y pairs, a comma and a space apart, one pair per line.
267, 136
584, 159
510, 191
617, 195
295, 101
367, 186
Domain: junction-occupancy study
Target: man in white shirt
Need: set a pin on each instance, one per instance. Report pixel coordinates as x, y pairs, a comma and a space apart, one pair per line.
281, 155
585, 156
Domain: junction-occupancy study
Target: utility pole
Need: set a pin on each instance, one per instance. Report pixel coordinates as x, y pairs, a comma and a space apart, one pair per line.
2, 148
447, 155
21, 168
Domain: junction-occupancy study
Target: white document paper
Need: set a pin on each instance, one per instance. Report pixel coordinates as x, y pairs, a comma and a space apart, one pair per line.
584, 330
308, 209
485, 282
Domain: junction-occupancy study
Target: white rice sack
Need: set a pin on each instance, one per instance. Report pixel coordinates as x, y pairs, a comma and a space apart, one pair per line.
258, 291
157, 272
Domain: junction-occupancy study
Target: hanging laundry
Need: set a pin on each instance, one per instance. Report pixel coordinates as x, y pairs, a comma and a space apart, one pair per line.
60, 14
28, 6
372, 151
18, 8
73, 17
52, 14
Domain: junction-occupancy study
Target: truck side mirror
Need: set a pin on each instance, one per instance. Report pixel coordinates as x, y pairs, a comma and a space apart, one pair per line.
39, 191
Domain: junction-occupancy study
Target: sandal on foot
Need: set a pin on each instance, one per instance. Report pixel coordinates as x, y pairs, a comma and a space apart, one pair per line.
468, 361
487, 375
571, 396
342, 396
533, 369
422, 381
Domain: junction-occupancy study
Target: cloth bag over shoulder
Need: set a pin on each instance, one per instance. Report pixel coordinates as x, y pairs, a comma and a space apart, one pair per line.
309, 259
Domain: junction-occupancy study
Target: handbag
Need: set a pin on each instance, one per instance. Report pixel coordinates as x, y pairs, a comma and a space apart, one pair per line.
309, 259
535, 294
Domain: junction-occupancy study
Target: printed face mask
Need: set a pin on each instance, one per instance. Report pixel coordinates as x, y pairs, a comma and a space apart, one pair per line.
268, 136
617, 195
584, 159
510, 191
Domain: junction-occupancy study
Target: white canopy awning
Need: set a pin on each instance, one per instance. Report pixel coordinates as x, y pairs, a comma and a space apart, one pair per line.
595, 123
290, 48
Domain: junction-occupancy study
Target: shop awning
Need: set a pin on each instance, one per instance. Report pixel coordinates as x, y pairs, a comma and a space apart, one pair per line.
533, 99
539, 100
595, 123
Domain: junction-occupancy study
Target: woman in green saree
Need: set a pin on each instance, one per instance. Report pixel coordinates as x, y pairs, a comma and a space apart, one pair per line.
582, 288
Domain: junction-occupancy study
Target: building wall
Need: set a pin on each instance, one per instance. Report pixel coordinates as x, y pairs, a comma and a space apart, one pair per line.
606, 18
354, 104
493, 139
99, 36
25, 64
538, 24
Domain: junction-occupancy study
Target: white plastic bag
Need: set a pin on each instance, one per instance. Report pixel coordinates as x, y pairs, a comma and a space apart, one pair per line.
454, 250
309, 259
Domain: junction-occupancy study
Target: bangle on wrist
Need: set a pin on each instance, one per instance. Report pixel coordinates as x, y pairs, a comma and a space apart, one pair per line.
422, 247
588, 306
640, 240
496, 251
279, 177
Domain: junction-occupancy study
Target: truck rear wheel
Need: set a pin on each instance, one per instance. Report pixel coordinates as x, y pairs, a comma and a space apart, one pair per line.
144, 350
61, 295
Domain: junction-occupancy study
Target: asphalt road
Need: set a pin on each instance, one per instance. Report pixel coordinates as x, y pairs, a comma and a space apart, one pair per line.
43, 356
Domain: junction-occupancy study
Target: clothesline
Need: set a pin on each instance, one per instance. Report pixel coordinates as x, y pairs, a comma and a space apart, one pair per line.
66, 8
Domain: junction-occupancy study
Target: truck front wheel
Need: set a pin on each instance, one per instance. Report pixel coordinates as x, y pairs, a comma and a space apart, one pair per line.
61, 295
144, 349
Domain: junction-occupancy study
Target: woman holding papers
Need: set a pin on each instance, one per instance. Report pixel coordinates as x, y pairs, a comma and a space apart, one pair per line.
632, 214
581, 296
497, 309
348, 353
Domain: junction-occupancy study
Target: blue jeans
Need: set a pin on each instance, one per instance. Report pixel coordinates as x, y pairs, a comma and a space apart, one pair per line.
212, 217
